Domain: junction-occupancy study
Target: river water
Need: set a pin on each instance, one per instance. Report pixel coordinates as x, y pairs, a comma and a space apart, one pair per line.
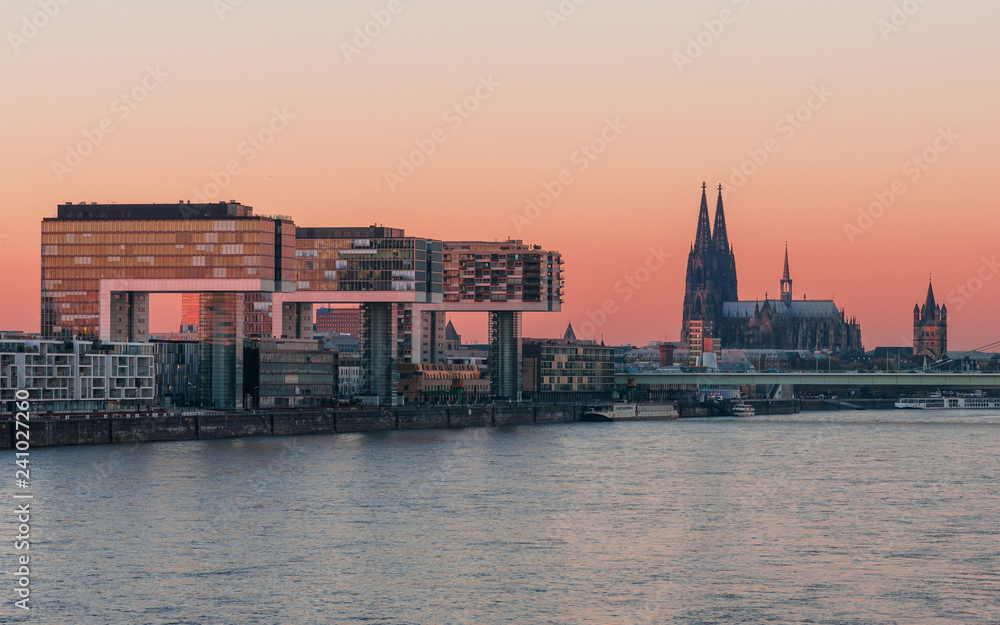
845, 517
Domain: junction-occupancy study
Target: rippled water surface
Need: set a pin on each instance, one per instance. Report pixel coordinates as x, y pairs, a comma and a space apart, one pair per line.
853, 517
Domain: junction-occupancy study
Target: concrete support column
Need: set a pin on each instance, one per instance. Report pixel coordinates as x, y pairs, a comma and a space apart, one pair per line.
296, 320
139, 323
428, 335
505, 355
129, 317
378, 351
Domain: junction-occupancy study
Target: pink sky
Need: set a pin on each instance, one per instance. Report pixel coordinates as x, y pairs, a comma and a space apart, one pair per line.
545, 87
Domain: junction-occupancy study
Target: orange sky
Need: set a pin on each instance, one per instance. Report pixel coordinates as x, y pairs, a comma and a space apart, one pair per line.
546, 86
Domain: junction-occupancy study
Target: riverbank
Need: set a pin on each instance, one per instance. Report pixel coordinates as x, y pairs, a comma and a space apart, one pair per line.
116, 429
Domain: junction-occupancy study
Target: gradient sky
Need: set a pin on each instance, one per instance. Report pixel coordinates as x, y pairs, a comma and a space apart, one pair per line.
892, 94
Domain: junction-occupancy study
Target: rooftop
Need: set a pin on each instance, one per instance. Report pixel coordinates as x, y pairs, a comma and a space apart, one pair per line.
95, 211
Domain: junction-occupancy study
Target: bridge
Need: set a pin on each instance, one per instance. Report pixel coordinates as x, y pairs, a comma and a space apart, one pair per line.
967, 381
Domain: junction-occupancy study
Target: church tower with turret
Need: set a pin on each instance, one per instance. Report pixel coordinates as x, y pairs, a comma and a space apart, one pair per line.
930, 328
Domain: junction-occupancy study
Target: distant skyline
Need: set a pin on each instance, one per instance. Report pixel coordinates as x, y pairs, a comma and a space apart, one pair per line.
862, 133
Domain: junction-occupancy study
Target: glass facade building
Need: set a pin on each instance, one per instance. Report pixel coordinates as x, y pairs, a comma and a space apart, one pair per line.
502, 272
367, 259
248, 276
100, 261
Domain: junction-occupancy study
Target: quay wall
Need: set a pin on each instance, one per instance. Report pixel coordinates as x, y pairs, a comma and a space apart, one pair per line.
105, 429
113, 429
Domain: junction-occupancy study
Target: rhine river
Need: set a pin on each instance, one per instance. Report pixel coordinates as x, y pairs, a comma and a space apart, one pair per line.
848, 518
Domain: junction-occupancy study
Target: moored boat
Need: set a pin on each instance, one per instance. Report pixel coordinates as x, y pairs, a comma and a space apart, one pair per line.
631, 412
936, 401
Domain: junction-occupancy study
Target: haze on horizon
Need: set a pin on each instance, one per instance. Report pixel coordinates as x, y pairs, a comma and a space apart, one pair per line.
806, 115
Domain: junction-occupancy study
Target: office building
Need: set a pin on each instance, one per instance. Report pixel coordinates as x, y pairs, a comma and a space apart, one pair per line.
259, 277
289, 373
342, 320
564, 368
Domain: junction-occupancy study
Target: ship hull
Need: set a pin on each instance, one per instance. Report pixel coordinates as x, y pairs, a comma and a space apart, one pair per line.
948, 403
631, 412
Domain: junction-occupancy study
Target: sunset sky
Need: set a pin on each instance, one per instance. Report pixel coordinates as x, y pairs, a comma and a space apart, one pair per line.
838, 97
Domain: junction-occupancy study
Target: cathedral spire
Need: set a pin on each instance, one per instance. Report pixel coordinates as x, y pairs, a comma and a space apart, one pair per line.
704, 236
786, 280
720, 238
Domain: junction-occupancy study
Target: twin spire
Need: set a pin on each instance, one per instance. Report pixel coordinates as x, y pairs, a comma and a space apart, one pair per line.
704, 238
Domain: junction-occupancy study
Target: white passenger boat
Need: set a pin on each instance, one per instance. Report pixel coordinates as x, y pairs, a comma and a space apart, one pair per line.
936, 401
631, 412
744, 409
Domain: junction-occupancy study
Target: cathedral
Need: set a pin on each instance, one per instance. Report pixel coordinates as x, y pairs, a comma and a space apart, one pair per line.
710, 295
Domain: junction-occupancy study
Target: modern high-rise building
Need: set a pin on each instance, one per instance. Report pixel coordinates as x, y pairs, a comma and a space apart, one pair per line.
504, 278
405, 285
259, 277
100, 262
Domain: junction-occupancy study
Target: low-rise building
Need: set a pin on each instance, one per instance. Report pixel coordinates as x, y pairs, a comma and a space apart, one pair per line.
289, 373
71, 376
348, 375
442, 383
564, 369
